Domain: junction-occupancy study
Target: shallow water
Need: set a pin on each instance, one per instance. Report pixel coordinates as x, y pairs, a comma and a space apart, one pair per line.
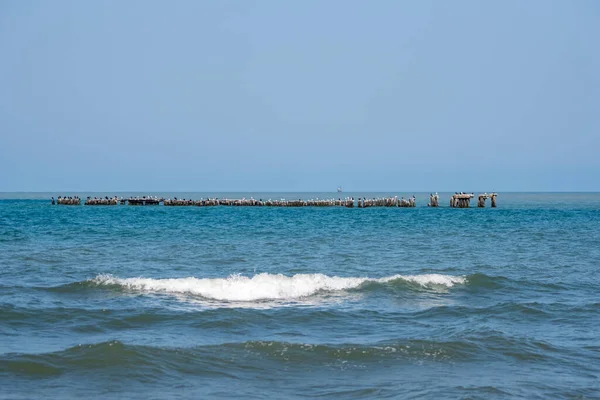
159, 302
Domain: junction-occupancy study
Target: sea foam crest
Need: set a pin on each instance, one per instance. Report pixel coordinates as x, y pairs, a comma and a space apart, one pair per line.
428, 279
264, 286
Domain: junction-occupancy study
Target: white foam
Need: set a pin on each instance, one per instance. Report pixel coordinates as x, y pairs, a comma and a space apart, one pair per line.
428, 279
264, 286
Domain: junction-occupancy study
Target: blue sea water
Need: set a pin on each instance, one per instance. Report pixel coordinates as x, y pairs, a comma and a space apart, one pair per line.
257, 302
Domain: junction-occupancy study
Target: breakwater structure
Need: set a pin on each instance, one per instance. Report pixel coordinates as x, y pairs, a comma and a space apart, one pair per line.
461, 200
251, 202
434, 200
101, 201
67, 201
483, 197
458, 200
143, 201
387, 202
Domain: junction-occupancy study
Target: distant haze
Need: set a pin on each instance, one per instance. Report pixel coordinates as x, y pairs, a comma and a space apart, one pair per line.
299, 95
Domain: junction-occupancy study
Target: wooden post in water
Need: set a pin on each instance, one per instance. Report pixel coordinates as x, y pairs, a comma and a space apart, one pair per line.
493, 197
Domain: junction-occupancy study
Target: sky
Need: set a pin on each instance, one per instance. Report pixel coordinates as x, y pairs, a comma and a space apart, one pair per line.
299, 95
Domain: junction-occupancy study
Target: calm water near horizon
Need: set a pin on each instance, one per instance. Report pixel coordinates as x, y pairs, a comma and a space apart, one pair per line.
257, 302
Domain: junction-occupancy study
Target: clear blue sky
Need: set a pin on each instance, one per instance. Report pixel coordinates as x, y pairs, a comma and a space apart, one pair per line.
299, 95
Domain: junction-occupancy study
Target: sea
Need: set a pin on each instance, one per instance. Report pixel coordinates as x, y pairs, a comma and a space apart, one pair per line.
154, 302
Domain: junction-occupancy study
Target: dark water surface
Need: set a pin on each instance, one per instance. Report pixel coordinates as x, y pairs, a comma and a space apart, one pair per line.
159, 302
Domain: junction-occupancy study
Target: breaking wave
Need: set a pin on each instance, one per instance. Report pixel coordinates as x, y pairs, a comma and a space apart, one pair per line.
268, 286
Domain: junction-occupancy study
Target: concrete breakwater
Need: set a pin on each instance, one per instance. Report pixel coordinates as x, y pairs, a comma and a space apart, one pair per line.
143, 201
387, 202
461, 200
101, 201
67, 201
458, 200
348, 202
483, 197
434, 200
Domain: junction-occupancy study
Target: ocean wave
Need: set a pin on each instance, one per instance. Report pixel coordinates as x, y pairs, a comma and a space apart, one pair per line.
268, 286
231, 358
225, 358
